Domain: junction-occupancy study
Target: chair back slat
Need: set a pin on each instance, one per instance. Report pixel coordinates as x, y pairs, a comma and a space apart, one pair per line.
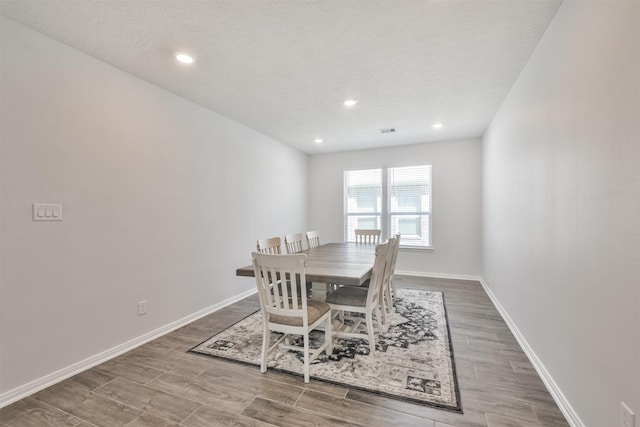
293, 243
313, 239
269, 246
367, 236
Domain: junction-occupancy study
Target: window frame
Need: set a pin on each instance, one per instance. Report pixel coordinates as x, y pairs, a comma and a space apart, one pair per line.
385, 216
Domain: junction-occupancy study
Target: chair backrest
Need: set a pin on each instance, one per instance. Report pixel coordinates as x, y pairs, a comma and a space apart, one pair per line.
388, 266
367, 236
293, 242
396, 247
269, 246
313, 239
282, 284
377, 275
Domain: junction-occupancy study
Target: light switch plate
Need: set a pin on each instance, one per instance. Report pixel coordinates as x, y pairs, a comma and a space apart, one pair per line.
47, 212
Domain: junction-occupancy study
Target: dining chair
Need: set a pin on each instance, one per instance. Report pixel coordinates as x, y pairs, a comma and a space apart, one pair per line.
384, 300
356, 299
269, 246
389, 292
293, 243
313, 239
287, 310
367, 236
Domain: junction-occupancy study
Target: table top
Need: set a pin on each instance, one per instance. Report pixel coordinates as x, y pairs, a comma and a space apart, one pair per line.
339, 263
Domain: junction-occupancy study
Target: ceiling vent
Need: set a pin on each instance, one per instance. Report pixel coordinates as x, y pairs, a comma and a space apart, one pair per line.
388, 130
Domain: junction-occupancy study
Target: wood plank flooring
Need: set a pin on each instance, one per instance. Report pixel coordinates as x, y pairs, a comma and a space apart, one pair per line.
160, 385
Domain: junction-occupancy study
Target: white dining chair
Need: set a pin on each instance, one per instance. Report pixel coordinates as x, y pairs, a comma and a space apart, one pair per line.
293, 243
355, 299
367, 236
286, 309
386, 298
269, 246
313, 239
388, 293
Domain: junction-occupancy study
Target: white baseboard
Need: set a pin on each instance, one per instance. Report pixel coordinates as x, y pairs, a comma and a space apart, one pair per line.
438, 275
567, 410
50, 379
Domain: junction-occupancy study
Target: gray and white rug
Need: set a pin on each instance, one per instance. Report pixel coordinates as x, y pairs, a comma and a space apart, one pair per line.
413, 361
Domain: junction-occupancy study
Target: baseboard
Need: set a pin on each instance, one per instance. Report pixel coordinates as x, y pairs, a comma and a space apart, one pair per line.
567, 410
48, 380
438, 275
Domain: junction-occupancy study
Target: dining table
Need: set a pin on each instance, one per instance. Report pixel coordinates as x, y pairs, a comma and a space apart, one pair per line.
342, 264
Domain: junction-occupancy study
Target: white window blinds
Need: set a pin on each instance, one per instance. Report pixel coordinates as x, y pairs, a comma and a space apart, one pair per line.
409, 212
363, 201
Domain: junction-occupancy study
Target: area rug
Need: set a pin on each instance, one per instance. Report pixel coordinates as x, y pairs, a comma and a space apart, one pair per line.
413, 359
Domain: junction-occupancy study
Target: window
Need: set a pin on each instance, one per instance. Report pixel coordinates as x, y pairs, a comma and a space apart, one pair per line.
362, 200
406, 192
409, 214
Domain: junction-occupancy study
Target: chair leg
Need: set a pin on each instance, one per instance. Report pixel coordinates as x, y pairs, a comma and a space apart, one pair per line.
328, 336
381, 316
388, 299
372, 340
385, 297
265, 348
393, 289
381, 319
306, 357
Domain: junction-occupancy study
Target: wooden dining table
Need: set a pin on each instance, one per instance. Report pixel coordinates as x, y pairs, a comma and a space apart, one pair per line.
333, 263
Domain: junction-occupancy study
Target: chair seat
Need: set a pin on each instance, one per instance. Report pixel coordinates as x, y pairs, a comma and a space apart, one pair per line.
315, 310
349, 295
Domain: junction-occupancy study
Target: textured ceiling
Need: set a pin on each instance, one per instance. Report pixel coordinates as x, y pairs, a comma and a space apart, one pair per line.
285, 67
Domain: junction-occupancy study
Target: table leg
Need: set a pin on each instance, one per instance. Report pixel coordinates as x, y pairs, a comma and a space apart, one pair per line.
319, 291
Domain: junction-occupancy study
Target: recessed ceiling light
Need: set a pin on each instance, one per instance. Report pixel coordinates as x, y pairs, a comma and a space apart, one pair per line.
437, 125
350, 102
318, 140
184, 58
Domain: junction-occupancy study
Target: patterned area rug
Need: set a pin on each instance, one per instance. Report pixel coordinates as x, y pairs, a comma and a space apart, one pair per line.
413, 361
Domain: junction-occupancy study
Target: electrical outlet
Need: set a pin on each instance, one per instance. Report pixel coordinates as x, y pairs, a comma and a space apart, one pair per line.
142, 307
627, 418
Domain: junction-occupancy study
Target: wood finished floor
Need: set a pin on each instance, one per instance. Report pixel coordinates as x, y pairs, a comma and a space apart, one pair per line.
160, 385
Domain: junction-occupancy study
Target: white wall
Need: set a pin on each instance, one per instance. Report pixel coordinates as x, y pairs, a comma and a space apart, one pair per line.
456, 175
561, 218
162, 201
